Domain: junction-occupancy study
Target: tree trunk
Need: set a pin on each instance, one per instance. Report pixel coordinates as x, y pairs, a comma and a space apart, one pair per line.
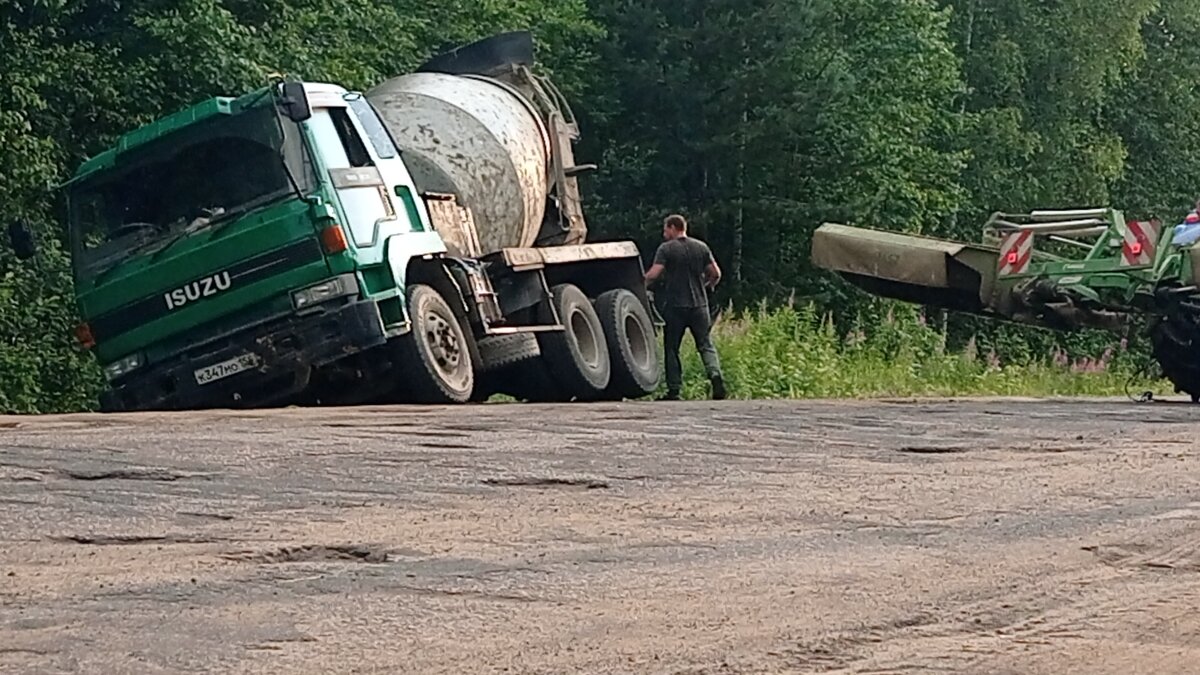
739, 221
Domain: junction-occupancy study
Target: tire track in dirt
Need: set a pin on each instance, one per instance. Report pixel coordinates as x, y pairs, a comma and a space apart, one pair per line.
1140, 591
837, 537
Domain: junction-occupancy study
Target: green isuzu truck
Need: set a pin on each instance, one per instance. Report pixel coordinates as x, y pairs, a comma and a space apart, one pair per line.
423, 241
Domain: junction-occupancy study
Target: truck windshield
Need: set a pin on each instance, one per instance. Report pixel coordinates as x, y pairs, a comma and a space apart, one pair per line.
181, 183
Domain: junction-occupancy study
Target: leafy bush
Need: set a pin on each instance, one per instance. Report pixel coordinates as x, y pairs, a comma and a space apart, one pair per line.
795, 352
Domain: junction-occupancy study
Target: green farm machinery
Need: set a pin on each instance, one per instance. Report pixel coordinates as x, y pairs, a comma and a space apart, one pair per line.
1056, 269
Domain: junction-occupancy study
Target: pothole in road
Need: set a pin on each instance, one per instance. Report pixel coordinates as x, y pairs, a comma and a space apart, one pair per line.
933, 450
152, 475
205, 516
309, 554
583, 483
130, 539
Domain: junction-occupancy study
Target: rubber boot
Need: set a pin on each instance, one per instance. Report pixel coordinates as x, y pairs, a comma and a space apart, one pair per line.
718, 389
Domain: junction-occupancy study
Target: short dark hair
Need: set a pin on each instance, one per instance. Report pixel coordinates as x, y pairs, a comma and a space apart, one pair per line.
676, 222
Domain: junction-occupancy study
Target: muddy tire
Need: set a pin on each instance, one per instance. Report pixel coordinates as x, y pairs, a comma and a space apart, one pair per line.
485, 388
501, 351
1174, 344
576, 357
436, 358
629, 332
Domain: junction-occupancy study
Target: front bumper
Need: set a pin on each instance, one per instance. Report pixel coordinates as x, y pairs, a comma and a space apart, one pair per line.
287, 350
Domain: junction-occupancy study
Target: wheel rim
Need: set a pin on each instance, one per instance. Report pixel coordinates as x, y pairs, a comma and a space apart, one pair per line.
585, 338
445, 348
639, 346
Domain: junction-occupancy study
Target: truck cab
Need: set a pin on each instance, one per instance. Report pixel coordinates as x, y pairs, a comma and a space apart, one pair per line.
274, 248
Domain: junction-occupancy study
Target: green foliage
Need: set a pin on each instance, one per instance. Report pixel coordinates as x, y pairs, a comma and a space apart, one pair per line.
791, 352
759, 119
1039, 76
40, 369
1155, 114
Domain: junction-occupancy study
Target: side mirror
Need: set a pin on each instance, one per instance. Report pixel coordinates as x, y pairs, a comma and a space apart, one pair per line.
21, 238
295, 102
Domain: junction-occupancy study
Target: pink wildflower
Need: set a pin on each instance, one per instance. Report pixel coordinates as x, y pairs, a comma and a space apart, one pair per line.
993, 359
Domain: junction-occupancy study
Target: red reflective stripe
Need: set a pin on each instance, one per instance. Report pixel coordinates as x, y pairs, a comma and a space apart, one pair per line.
1012, 261
1139, 243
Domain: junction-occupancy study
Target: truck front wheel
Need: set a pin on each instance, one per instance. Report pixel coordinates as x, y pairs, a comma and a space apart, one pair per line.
577, 356
435, 354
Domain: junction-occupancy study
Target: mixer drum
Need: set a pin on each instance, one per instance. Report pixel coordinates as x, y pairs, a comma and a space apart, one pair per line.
478, 139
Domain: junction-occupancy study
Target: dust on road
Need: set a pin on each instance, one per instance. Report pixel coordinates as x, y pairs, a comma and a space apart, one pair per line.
887, 537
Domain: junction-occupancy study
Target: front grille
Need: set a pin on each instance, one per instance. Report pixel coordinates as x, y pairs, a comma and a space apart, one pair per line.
243, 273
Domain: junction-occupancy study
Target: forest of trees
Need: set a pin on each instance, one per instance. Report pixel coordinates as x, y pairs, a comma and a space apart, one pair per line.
759, 119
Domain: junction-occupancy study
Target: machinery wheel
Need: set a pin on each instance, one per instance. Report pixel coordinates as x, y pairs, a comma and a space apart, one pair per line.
1173, 341
630, 336
577, 357
435, 354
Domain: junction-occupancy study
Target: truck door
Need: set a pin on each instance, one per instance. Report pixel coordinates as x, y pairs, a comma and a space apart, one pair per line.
372, 184
387, 157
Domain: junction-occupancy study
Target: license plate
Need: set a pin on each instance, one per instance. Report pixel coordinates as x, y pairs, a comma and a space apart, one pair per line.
224, 369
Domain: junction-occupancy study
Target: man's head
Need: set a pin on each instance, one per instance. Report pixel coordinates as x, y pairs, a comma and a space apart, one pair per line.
674, 227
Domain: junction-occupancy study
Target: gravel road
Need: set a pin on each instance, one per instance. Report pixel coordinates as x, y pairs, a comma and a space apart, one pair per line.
1001, 536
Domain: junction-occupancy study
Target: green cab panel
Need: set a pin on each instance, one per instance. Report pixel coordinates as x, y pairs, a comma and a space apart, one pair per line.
201, 279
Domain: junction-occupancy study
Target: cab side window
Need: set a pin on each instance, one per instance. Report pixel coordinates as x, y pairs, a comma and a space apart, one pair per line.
356, 152
376, 132
363, 196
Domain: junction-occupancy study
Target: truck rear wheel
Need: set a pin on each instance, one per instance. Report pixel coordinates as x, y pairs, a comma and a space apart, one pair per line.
630, 335
436, 357
578, 356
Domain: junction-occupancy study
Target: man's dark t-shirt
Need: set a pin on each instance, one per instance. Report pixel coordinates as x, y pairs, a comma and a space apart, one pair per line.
684, 260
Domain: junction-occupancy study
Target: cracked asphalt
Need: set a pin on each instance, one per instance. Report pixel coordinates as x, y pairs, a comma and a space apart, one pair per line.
984, 536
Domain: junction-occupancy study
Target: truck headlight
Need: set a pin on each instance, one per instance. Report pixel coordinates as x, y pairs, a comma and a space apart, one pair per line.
123, 367
326, 290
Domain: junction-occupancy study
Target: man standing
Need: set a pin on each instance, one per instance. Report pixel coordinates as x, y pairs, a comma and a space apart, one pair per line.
687, 268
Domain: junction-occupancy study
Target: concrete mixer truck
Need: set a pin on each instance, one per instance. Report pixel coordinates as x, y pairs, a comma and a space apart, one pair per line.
422, 241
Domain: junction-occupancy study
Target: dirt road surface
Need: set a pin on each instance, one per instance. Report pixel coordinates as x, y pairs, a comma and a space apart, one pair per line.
882, 537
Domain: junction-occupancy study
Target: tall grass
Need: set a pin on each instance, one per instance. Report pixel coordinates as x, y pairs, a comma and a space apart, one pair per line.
795, 353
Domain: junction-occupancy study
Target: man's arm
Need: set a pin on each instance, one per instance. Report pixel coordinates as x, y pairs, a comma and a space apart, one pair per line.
712, 273
656, 269
654, 273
